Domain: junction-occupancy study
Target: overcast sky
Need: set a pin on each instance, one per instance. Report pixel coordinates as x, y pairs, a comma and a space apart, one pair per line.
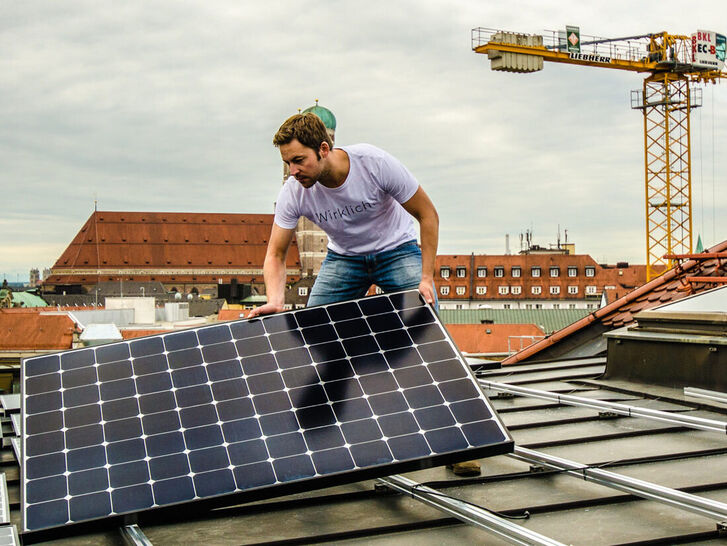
171, 106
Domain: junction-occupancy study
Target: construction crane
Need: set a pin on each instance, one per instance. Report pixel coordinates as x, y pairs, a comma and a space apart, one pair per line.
675, 65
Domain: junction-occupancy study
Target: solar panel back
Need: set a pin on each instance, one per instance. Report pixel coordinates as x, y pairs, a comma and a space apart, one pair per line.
248, 410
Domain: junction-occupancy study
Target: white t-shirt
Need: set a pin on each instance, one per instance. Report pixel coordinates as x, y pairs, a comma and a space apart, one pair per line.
361, 216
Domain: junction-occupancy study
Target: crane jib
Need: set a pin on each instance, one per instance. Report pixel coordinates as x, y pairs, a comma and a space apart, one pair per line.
590, 58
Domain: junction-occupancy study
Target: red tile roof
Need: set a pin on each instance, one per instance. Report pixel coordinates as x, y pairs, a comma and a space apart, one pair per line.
493, 338
232, 314
192, 247
35, 331
131, 334
671, 286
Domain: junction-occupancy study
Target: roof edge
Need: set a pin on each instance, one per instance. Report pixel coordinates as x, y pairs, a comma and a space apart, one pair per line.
603, 311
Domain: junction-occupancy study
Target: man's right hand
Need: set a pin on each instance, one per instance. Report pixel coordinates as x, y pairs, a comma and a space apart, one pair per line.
267, 309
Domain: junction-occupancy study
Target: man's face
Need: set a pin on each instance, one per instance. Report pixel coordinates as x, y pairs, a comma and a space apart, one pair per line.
303, 162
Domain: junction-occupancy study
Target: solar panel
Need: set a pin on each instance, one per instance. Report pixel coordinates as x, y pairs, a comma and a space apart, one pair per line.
16, 419
10, 402
16, 448
4, 503
257, 408
9, 536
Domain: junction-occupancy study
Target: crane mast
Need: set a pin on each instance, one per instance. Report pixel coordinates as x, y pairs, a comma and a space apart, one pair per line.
674, 64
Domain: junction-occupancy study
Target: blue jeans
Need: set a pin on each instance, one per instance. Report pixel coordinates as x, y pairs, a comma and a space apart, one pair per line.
344, 278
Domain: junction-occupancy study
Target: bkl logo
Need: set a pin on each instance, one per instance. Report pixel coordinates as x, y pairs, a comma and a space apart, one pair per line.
703, 42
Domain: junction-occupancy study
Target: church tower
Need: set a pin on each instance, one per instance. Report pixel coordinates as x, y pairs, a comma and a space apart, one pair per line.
312, 240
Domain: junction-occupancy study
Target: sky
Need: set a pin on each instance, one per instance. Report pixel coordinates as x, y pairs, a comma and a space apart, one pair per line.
172, 105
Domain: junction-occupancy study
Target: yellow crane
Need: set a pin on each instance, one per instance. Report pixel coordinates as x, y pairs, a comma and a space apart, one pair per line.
675, 65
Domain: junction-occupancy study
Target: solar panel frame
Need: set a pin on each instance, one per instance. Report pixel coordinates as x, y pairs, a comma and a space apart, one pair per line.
381, 371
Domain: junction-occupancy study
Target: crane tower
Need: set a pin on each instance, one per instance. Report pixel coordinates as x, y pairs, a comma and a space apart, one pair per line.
674, 65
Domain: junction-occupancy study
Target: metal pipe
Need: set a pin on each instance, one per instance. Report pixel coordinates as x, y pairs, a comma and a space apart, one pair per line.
714, 510
468, 513
134, 536
704, 393
622, 409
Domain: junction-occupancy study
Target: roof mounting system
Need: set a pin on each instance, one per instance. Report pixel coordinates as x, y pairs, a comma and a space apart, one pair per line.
699, 423
467, 512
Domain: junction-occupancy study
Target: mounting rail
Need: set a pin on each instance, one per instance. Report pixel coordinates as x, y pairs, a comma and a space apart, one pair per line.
622, 409
714, 510
466, 512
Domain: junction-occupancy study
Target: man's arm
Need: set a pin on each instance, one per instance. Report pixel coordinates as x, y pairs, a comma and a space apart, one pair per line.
274, 271
422, 208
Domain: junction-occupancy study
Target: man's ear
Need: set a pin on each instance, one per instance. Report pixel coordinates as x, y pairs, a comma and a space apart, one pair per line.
324, 149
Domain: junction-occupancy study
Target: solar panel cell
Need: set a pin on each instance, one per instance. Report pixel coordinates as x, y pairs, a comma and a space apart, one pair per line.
327, 392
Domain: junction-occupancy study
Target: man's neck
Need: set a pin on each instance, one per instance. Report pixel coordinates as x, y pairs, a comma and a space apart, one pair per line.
338, 169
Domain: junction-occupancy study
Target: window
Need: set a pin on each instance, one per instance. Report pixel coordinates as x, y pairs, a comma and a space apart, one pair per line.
506, 306
536, 289
460, 290
481, 290
444, 290
481, 272
590, 271
555, 290
571, 306
572, 271
499, 271
516, 290
555, 271
590, 290
516, 271
572, 289
535, 271
503, 290
538, 305
590, 306
302, 290
556, 306
528, 306
379, 290
444, 272
461, 272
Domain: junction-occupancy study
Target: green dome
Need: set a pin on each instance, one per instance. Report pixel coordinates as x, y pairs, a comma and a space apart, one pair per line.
329, 120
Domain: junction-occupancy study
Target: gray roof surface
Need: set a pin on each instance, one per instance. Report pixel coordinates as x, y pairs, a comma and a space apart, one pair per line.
561, 507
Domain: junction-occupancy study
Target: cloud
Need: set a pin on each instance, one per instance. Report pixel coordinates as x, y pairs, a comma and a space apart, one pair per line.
172, 106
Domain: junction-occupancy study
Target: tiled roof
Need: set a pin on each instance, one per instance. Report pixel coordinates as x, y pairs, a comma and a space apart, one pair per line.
493, 338
186, 243
32, 330
671, 286
549, 320
232, 314
467, 272
131, 334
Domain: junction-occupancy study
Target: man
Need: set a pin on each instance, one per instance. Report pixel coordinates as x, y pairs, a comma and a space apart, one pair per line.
364, 199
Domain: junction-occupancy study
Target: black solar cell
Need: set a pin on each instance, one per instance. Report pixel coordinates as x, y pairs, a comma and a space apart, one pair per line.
293, 401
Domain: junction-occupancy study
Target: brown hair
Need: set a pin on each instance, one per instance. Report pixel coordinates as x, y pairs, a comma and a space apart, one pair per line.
308, 129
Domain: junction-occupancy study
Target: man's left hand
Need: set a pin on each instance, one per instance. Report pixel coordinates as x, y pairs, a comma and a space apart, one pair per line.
426, 289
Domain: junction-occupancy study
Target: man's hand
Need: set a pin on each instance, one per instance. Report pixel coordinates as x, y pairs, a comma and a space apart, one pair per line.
426, 289
267, 309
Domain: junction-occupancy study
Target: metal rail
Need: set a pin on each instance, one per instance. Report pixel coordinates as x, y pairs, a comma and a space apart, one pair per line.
134, 536
717, 396
466, 512
710, 425
714, 510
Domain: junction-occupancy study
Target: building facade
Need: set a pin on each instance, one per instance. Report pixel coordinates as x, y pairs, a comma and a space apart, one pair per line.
531, 280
